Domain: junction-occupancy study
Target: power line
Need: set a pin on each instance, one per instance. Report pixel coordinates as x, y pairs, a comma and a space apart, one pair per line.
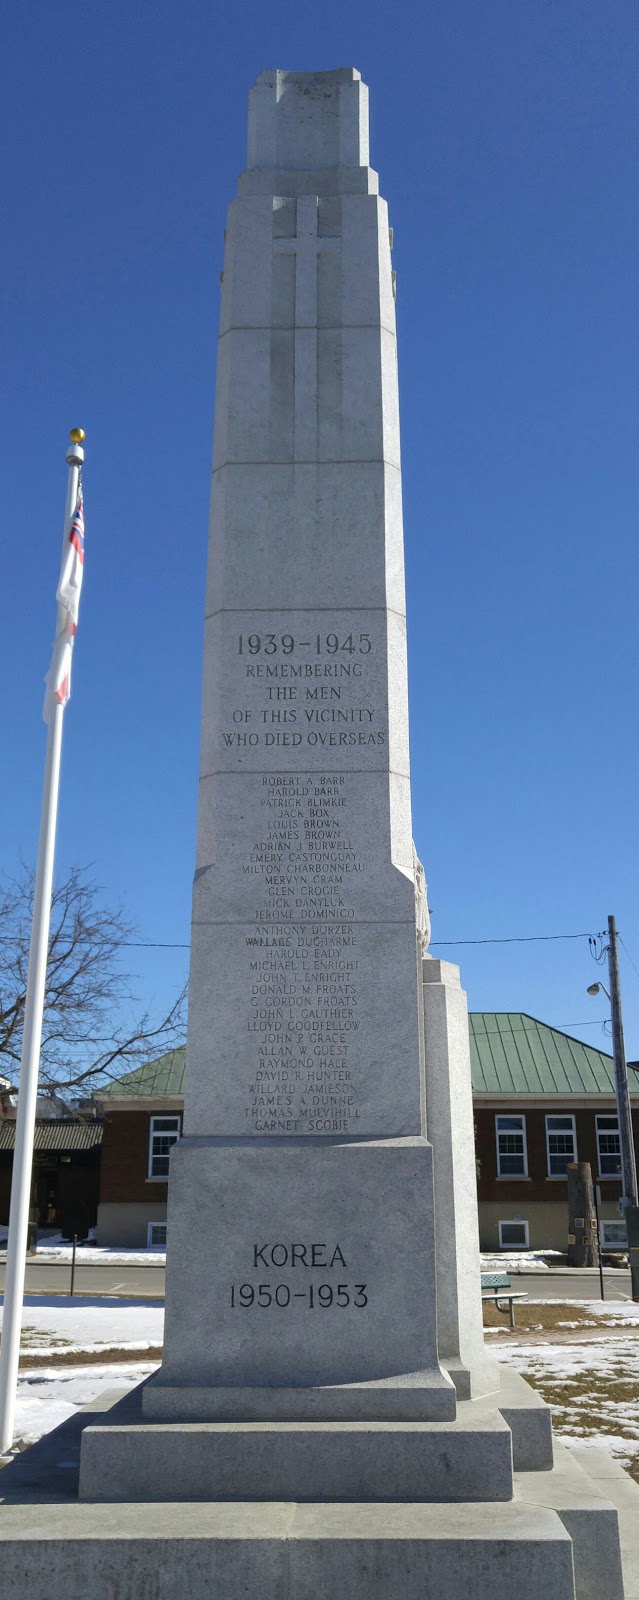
600, 1022
628, 954
518, 938
150, 944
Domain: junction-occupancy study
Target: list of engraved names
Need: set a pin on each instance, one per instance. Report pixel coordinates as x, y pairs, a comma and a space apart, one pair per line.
317, 690
302, 959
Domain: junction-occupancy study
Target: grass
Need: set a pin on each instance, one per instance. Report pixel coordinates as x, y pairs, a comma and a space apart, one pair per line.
104, 1357
39, 1348
40, 1338
590, 1403
535, 1315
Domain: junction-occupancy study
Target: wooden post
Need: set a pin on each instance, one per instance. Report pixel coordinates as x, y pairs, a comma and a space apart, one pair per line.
583, 1244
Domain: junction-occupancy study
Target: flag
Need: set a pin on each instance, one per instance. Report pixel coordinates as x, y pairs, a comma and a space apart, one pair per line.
58, 679
68, 592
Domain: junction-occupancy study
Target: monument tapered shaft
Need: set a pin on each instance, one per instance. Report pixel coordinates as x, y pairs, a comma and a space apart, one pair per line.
304, 920
305, 1096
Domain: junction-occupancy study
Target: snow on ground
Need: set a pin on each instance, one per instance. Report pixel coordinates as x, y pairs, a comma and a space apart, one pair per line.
593, 1389
58, 1323
92, 1254
59, 1326
47, 1397
85, 1323
520, 1260
592, 1386
52, 1247
620, 1310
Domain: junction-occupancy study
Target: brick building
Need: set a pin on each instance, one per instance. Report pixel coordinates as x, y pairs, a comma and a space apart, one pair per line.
66, 1171
541, 1099
142, 1119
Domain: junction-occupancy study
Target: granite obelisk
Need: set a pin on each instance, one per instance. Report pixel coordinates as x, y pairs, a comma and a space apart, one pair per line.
301, 1400
304, 1165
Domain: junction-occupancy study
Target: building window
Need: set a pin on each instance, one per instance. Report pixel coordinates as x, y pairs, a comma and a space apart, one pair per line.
608, 1147
614, 1236
561, 1143
513, 1235
510, 1133
156, 1236
165, 1131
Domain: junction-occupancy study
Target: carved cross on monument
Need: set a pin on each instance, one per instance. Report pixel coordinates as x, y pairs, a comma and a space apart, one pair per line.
306, 254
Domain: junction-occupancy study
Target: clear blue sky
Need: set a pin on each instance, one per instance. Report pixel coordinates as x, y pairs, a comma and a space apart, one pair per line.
506, 139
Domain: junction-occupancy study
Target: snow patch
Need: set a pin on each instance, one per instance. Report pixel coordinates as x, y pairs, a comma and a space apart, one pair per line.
47, 1397
85, 1324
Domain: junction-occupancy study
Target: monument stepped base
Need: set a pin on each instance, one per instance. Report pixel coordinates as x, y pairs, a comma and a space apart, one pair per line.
469, 1459
285, 1551
557, 1537
411, 1397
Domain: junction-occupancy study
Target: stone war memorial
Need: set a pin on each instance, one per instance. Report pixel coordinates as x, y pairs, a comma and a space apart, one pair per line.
326, 1423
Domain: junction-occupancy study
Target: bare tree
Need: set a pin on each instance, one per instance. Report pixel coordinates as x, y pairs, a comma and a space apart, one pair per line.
91, 1031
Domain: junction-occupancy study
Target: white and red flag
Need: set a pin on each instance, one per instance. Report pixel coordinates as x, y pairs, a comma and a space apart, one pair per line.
58, 679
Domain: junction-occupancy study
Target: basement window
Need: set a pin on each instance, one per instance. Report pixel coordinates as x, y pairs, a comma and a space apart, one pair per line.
513, 1235
156, 1236
614, 1236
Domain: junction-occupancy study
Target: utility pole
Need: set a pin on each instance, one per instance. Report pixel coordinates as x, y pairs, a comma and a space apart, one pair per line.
628, 1163
624, 1114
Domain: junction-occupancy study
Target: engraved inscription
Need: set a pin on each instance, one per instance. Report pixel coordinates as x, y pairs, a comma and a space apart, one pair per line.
301, 688
315, 1296
302, 961
294, 691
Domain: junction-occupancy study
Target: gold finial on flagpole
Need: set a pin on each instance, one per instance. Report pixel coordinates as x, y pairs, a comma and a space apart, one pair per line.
75, 452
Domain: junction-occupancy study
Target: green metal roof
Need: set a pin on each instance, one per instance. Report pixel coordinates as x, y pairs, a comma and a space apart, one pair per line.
511, 1053
161, 1079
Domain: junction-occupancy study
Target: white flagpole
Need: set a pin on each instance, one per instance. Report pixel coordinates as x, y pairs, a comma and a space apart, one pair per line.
32, 1032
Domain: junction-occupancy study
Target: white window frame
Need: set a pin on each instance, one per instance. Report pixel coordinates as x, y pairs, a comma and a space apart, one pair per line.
607, 1116
151, 1243
564, 1116
511, 1116
614, 1244
155, 1131
512, 1222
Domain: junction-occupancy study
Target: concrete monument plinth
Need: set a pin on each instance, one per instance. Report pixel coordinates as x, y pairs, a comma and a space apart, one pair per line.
312, 1309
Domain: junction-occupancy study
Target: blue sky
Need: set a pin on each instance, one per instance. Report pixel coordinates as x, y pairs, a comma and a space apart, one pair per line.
506, 139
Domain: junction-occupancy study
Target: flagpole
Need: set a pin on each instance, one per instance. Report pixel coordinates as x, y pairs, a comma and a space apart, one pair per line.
32, 1030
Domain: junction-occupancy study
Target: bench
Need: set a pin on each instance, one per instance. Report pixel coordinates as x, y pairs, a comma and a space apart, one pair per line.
495, 1286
